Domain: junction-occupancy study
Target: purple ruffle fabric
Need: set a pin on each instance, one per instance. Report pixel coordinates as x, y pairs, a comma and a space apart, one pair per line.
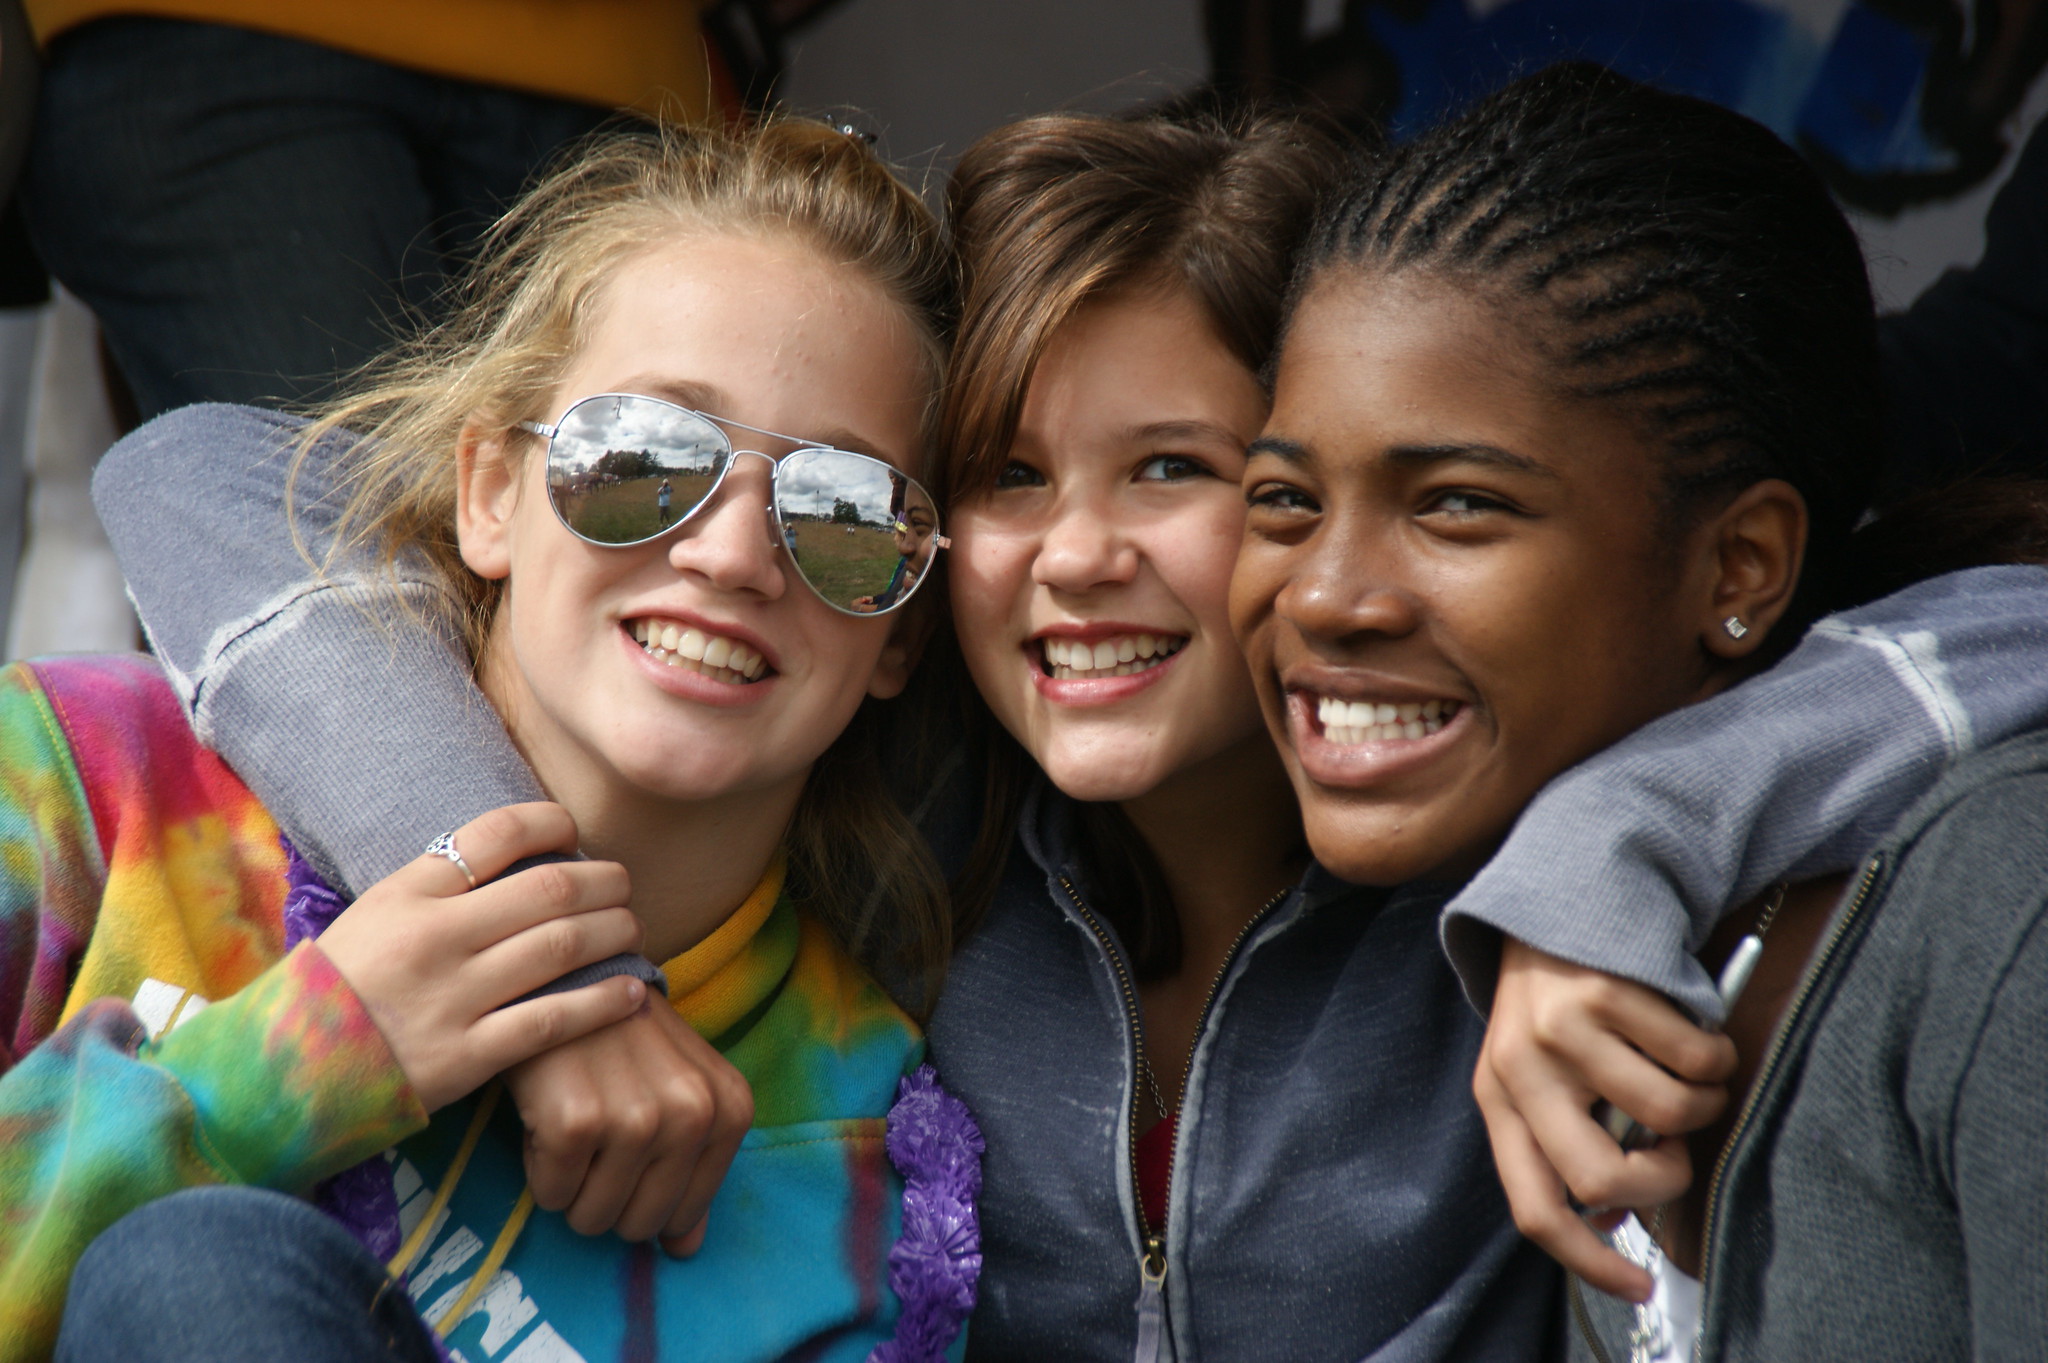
362, 1198
935, 1265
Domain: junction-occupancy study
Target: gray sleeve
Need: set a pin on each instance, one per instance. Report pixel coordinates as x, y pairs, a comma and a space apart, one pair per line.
296, 677
1626, 862
1998, 1136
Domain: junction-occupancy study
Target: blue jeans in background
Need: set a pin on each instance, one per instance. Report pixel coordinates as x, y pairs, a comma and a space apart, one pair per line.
236, 1275
251, 216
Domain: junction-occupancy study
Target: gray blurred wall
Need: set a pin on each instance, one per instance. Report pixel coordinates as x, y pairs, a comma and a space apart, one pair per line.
932, 75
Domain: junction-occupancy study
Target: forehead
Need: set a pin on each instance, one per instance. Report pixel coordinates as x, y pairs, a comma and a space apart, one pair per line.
1128, 361
781, 337
1373, 362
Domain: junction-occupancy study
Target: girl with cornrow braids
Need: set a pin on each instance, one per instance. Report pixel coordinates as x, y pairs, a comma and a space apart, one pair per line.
1575, 414
1226, 1093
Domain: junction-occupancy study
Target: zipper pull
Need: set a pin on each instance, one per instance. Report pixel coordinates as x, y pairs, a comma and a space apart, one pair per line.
1151, 1301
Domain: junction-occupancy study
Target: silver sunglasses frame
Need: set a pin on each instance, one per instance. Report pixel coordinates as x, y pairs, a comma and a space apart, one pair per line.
732, 453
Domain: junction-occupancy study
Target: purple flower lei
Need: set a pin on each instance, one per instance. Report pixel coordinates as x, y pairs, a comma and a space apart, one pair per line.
936, 1263
363, 1198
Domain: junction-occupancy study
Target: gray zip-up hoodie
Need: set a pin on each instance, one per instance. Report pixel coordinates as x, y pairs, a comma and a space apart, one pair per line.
1333, 1136
1332, 1195
1885, 1190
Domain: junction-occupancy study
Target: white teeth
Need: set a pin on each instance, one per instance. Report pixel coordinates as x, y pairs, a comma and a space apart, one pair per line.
721, 659
1074, 659
1359, 721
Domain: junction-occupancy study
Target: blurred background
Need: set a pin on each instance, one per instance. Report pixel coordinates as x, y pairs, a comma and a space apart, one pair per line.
240, 199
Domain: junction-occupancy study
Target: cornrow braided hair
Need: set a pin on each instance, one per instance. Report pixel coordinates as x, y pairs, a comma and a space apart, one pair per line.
1677, 257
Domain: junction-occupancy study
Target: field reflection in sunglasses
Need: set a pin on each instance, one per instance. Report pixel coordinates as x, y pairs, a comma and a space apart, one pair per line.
622, 471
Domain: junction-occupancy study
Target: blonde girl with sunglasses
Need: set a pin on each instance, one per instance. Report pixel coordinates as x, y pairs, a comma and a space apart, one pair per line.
208, 1046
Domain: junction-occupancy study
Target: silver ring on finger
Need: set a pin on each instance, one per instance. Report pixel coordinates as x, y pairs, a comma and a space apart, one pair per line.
444, 847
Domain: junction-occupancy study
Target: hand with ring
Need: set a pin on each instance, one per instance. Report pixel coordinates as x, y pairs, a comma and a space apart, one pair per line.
436, 977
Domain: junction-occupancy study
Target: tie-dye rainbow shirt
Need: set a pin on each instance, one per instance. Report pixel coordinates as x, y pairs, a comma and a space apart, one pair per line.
159, 1036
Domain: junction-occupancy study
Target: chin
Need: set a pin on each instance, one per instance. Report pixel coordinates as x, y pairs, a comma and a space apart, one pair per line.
1382, 847
1101, 778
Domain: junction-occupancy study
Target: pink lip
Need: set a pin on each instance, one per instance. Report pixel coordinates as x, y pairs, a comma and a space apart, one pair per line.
1359, 765
695, 686
691, 620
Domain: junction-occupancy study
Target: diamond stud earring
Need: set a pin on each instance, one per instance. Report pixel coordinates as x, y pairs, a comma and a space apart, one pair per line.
1736, 629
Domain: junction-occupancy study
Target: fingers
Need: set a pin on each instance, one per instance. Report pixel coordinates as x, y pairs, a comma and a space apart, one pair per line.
491, 842
1536, 1196
683, 1232
633, 1123
538, 894
1596, 1169
1566, 1069
1656, 1027
546, 952
510, 1036
688, 1243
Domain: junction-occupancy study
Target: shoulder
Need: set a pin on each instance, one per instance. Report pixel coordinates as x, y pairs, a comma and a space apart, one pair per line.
1964, 893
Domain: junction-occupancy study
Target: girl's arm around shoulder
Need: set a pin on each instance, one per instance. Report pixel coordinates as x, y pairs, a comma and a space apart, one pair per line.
294, 673
1627, 861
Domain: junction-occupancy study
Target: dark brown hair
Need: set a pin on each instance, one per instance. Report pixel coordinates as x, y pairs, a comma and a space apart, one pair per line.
1047, 214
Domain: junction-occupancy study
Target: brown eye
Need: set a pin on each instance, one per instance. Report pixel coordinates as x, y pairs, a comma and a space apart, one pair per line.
1463, 502
1171, 468
1015, 474
1280, 497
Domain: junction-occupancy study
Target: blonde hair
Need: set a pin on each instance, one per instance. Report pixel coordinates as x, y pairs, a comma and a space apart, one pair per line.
525, 309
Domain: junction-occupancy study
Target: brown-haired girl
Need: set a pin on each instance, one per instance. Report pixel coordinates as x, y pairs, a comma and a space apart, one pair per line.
658, 313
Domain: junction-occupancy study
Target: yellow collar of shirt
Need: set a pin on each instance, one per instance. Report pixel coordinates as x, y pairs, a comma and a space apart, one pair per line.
732, 972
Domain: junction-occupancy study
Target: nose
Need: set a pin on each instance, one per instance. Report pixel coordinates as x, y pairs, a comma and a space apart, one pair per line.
725, 543
1345, 590
1083, 548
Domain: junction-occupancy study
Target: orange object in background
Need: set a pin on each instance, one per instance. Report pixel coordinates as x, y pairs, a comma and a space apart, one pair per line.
642, 54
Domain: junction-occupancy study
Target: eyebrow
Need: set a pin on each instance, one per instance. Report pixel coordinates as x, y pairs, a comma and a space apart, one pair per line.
1185, 429
1422, 456
1416, 456
714, 401
1293, 451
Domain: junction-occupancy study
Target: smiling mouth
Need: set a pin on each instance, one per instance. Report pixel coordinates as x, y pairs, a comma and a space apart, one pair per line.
713, 655
1118, 656
1346, 723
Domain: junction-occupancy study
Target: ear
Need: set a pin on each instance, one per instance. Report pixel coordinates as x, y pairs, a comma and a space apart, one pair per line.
486, 495
911, 632
1751, 554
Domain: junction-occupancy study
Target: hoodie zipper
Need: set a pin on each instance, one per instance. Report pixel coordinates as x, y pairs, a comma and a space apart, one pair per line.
1865, 883
1151, 1304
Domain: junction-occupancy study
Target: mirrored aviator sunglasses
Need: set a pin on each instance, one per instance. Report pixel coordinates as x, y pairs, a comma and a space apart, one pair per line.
625, 469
